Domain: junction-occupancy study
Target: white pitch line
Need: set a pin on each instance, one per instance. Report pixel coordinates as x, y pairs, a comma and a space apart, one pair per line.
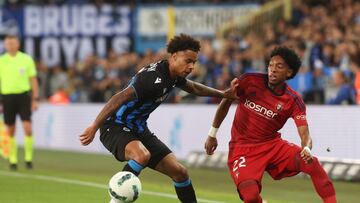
89, 184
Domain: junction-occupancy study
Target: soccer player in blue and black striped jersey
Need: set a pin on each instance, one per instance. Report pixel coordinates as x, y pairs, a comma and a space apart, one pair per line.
123, 120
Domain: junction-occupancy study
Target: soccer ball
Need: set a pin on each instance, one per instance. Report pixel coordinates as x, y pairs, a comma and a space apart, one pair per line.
124, 187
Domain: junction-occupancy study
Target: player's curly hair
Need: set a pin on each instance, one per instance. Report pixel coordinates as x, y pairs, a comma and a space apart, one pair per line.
290, 57
183, 42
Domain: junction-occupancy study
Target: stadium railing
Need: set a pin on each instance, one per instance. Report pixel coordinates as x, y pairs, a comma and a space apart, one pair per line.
337, 169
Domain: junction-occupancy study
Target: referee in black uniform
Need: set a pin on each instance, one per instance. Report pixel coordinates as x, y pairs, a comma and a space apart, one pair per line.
123, 120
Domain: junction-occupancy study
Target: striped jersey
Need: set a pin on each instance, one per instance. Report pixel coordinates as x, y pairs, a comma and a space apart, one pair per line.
152, 85
261, 113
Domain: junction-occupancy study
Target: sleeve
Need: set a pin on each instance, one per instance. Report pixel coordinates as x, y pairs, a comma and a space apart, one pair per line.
243, 83
145, 86
180, 82
31, 68
299, 112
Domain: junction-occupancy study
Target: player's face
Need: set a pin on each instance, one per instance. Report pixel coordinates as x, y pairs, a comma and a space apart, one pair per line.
184, 62
12, 44
278, 70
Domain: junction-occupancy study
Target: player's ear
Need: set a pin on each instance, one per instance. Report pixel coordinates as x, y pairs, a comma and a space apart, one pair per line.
174, 56
289, 73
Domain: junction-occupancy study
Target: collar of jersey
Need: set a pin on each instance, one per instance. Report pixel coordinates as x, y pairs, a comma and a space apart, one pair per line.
271, 90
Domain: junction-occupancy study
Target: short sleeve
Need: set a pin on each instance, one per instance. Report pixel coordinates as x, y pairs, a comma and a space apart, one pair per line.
145, 85
180, 82
31, 69
243, 83
299, 112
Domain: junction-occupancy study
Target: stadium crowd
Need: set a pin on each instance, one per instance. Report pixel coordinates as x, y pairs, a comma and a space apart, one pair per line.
325, 33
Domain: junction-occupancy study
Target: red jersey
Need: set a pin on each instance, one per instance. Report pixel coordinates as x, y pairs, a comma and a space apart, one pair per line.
261, 113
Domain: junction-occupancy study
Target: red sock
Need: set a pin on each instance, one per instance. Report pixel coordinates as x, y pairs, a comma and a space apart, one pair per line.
320, 179
249, 192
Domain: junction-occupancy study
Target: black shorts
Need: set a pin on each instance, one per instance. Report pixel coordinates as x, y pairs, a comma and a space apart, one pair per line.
116, 137
14, 104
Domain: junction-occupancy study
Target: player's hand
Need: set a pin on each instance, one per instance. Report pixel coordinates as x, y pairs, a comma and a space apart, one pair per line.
34, 105
210, 145
306, 155
231, 93
88, 135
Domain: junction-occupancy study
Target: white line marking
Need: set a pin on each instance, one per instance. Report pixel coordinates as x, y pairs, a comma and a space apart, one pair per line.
89, 184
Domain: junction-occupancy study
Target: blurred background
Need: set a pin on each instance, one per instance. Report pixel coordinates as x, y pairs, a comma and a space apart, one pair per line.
90, 49
87, 50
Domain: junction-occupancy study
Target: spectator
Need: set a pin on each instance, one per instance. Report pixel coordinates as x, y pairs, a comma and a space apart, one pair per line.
355, 66
345, 93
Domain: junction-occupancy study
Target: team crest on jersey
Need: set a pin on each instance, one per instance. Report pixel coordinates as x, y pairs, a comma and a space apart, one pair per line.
22, 71
279, 107
152, 66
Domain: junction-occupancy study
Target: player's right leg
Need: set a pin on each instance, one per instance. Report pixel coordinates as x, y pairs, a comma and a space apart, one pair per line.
137, 155
288, 162
13, 149
249, 191
164, 161
178, 173
125, 146
246, 165
320, 179
10, 111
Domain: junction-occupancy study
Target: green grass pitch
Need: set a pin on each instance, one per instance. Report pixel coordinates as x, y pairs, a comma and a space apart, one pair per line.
76, 177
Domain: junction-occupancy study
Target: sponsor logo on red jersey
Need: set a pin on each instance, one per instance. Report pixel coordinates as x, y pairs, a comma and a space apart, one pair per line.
267, 113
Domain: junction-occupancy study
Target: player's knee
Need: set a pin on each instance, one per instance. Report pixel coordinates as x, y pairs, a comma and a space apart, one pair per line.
311, 168
141, 156
27, 127
11, 130
180, 173
28, 131
249, 192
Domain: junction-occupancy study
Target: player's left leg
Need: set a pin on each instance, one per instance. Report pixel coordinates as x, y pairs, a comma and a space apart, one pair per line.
320, 179
25, 115
289, 163
28, 144
10, 108
178, 173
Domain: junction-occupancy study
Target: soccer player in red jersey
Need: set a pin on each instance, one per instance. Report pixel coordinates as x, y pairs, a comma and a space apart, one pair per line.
266, 102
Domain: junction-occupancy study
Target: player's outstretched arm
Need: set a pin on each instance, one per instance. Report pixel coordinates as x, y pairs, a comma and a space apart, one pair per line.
110, 107
306, 143
203, 90
221, 112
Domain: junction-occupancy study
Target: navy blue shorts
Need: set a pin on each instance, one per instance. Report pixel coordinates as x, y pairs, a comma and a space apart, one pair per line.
116, 137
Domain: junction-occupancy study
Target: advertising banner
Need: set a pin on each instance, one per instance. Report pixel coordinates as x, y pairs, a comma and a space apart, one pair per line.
155, 23
193, 20
62, 35
335, 130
